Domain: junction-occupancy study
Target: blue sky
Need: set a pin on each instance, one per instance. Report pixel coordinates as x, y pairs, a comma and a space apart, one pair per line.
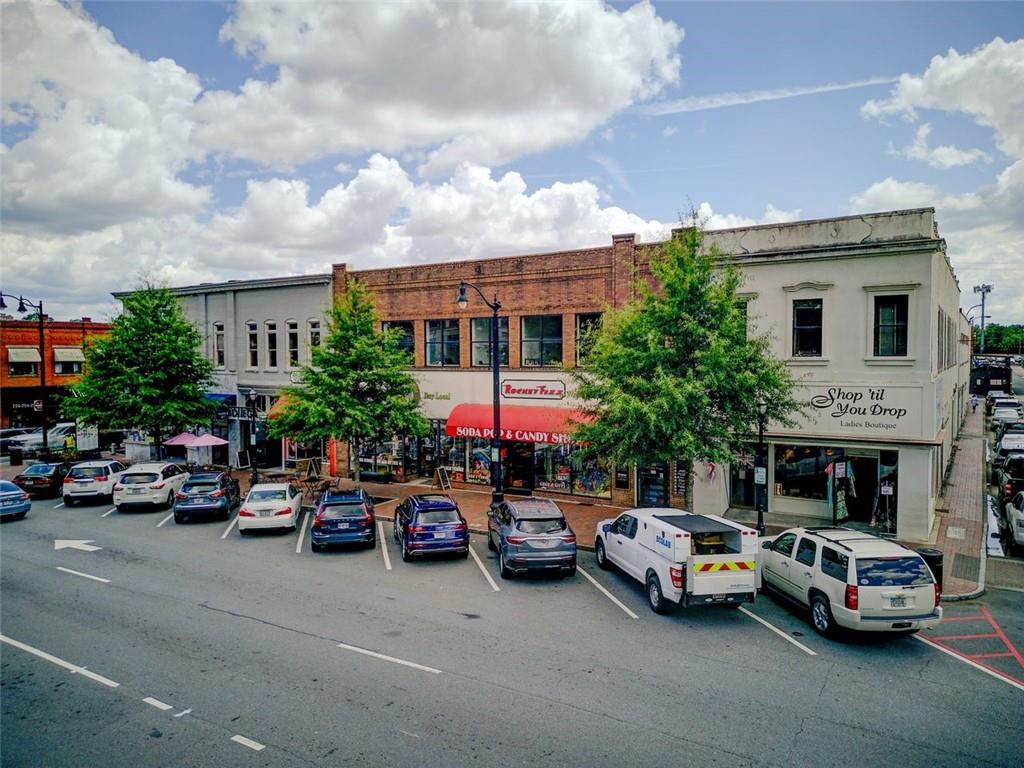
204, 141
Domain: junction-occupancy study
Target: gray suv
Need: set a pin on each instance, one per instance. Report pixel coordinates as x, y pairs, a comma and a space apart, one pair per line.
531, 534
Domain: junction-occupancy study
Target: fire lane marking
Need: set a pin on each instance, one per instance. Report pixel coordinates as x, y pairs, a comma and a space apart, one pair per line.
72, 668
981, 667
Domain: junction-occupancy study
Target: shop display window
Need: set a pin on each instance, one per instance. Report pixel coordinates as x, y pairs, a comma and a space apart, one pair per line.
592, 478
479, 450
452, 456
552, 470
800, 470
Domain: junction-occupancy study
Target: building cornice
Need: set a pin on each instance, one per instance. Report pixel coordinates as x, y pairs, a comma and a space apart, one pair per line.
243, 285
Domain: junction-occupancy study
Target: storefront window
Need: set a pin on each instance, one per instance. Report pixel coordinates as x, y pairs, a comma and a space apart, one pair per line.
452, 456
551, 468
592, 479
479, 461
800, 470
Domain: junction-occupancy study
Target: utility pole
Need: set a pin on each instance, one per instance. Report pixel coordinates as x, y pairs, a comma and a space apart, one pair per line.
984, 289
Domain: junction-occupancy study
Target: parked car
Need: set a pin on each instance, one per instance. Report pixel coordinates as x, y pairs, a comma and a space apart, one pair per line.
1001, 416
1010, 445
206, 494
149, 485
91, 480
44, 478
270, 505
531, 534
14, 502
8, 435
853, 580
1010, 477
430, 523
1014, 509
1004, 428
32, 443
344, 517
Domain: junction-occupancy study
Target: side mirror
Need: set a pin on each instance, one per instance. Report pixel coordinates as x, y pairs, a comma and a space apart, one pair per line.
767, 544
606, 527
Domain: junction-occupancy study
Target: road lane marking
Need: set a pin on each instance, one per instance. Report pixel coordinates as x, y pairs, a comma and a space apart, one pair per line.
83, 575
987, 670
161, 523
302, 533
157, 703
392, 659
73, 668
184, 712
58, 506
230, 526
383, 545
778, 632
483, 570
109, 512
606, 593
255, 746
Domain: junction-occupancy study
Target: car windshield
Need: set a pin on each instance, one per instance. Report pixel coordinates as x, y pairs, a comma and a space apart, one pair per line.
545, 525
1015, 466
40, 469
267, 495
199, 487
7, 487
338, 511
142, 478
893, 572
80, 473
430, 516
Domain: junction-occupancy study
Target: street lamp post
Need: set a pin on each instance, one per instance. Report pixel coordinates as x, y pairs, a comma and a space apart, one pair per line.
251, 400
497, 496
984, 289
761, 488
38, 306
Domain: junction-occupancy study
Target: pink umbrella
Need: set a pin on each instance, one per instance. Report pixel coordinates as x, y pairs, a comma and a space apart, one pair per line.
205, 441
185, 438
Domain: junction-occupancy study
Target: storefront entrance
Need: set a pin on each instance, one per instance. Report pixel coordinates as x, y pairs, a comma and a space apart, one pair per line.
863, 491
518, 466
652, 487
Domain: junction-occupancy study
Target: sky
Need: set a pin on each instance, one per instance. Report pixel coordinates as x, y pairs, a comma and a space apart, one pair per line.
192, 142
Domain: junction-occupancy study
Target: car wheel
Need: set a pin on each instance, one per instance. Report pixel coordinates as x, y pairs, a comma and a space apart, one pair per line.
243, 532
179, 518
821, 616
505, 572
21, 515
226, 514
655, 598
406, 554
316, 547
68, 501
570, 572
602, 557
394, 530
465, 554
490, 543
170, 500
372, 543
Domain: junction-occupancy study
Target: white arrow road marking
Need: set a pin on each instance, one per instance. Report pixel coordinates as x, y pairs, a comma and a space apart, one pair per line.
483, 570
85, 546
73, 668
83, 575
161, 523
157, 703
383, 545
606, 593
255, 746
392, 659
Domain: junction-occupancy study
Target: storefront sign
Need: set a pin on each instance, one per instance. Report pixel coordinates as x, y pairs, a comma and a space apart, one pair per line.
530, 389
524, 435
760, 476
863, 411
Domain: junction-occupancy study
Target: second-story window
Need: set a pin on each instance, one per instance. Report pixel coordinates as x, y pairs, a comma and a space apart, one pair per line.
218, 344
541, 340
314, 333
406, 339
807, 327
23, 361
586, 326
271, 344
442, 343
890, 326
480, 334
292, 329
254, 344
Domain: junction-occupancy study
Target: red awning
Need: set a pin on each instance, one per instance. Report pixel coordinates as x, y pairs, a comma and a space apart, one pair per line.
531, 424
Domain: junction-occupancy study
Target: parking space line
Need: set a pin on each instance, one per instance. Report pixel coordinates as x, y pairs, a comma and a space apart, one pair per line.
157, 703
230, 526
109, 512
987, 670
255, 746
58, 506
83, 575
383, 545
778, 632
302, 533
392, 659
161, 523
73, 668
483, 570
606, 593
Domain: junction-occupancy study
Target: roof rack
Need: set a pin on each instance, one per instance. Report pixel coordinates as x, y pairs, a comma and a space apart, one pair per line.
840, 543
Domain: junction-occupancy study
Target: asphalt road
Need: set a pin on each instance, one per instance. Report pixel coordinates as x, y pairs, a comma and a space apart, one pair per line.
202, 649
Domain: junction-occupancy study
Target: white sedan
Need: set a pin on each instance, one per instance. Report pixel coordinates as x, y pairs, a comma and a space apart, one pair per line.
270, 505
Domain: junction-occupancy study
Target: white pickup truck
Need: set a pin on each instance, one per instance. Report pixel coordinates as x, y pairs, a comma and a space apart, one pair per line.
681, 558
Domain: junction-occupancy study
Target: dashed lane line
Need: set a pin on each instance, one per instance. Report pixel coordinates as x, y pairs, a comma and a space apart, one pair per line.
161, 523
392, 659
606, 593
231, 525
157, 703
383, 545
302, 533
255, 746
483, 570
73, 668
778, 631
83, 575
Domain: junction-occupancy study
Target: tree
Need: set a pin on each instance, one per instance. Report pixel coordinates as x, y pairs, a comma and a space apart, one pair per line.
356, 387
673, 375
147, 373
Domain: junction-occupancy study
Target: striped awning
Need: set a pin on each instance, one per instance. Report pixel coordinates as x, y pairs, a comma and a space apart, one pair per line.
23, 355
68, 355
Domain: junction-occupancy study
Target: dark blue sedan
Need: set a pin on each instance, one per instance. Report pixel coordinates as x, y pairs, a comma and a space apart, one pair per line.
206, 494
344, 517
14, 502
431, 523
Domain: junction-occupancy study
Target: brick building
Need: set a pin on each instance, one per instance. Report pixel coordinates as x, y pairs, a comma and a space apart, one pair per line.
21, 358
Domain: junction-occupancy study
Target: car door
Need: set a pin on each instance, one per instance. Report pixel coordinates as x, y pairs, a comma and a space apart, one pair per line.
801, 570
623, 542
295, 500
493, 526
777, 561
401, 519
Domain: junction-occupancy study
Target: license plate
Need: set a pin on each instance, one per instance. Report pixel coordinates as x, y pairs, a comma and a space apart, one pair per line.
137, 491
718, 598
897, 602
9, 502
441, 535
342, 525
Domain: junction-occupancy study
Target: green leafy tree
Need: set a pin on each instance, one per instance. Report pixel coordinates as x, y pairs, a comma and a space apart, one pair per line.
673, 375
147, 373
356, 387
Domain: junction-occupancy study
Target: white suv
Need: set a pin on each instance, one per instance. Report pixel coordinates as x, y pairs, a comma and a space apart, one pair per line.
152, 484
853, 580
91, 480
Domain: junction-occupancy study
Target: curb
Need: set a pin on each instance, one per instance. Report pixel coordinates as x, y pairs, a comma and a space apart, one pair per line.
979, 590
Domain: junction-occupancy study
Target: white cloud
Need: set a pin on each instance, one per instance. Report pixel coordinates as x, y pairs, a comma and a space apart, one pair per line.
669, 130
523, 77
942, 157
608, 134
710, 219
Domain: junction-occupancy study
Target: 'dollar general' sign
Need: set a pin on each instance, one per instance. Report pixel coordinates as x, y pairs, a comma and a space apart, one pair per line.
857, 410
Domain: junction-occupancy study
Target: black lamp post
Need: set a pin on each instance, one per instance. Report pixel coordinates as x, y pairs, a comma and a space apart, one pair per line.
251, 400
22, 302
761, 488
497, 496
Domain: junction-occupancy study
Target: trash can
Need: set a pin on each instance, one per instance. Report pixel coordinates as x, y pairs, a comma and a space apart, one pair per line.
933, 557
17, 457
